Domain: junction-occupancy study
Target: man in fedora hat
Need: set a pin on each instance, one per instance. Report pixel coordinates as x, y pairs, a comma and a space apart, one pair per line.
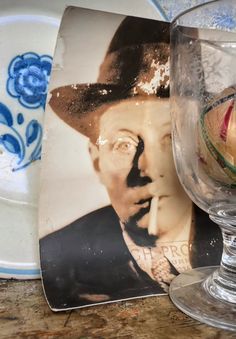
117, 252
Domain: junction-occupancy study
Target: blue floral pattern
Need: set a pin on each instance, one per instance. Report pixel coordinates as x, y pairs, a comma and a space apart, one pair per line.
27, 147
28, 79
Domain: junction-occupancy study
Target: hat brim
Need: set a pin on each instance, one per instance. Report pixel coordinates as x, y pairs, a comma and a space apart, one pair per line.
76, 104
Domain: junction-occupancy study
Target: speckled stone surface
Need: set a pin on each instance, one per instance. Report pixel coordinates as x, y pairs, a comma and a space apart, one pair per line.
24, 313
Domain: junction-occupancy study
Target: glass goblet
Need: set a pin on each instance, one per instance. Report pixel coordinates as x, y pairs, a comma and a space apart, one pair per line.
203, 108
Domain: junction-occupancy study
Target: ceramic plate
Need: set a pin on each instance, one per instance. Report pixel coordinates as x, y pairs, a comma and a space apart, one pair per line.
28, 31
27, 35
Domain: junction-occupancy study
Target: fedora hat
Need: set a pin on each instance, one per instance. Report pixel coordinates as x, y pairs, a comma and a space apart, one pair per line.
136, 64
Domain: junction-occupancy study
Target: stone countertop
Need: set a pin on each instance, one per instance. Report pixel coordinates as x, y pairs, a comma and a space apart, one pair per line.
24, 313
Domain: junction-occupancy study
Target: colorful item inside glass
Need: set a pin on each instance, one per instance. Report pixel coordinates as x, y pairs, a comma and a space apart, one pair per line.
217, 146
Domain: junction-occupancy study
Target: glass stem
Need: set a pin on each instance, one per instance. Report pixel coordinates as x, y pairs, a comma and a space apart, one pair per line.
222, 283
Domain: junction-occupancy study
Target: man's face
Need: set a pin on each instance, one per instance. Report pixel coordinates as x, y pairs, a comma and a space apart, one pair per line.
133, 157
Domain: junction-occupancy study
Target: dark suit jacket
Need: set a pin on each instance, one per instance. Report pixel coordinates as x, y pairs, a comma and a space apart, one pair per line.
88, 262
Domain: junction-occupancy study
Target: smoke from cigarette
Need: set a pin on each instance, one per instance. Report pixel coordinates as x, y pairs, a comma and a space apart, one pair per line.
152, 226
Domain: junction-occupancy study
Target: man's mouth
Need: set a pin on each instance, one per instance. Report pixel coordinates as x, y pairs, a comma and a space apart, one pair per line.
144, 203
140, 235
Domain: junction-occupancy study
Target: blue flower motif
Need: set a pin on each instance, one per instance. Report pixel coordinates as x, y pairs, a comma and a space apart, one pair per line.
26, 148
28, 79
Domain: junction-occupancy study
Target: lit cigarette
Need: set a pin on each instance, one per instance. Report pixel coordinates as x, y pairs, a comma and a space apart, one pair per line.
152, 226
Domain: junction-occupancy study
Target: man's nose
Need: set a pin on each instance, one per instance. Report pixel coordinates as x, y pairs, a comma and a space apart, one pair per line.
149, 163
135, 177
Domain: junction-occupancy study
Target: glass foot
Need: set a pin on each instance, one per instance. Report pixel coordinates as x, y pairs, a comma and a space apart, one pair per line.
187, 293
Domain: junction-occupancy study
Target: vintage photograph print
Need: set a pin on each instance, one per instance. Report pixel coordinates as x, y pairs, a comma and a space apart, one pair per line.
114, 220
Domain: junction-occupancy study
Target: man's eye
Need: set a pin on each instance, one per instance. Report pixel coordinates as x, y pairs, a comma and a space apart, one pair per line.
125, 146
